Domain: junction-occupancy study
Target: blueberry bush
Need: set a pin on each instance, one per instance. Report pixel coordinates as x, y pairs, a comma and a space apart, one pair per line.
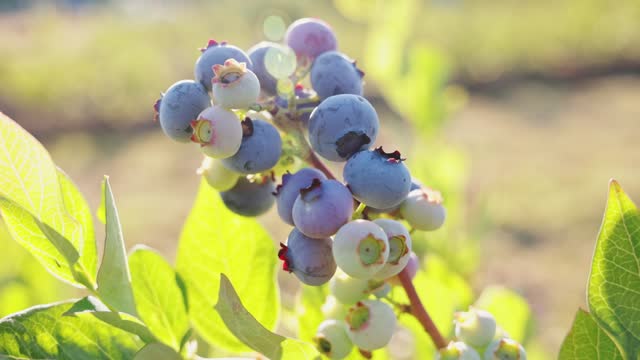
266, 122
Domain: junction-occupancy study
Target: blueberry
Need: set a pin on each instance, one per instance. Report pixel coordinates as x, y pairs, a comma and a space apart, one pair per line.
250, 197
423, 209
475, 327
342, 125
399, 247
218, 131
309, 38
301, 94
217, 176
332, 340
216, 54
180, 105
457, 351
268, 83
333, 73
322, 208
361, 249
234, 86
349, 290
288, 191
371, 323
260, 149
309, 259
377, 178
505, 349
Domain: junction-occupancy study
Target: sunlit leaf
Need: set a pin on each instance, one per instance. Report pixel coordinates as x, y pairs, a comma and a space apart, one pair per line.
158, 298
114, 279
43, 332
614, 284
587, 341
157, 351
214, 241
246, 328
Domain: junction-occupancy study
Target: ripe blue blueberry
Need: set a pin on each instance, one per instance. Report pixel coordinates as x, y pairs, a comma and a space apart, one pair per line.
250, 197
361, 249
216, 54
234, 86
342, 125
309, 259
423, 209
332, 340
399, 247
260, 148
309, 38
371, 323
180, 105
377, 178
268, 83
333, 73
322, 208
289, 190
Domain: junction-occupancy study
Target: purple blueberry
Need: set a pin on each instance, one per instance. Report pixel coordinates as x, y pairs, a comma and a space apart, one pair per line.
301, 94
311, 260
377, 178
216, 54
260, 149
310, 37
180, 105
342, 125
322, 208
250, 197
333, 73
289, 190
268, 83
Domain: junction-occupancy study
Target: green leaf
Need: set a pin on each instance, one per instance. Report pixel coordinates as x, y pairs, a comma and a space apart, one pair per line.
587, 341
92, 307
158, 298
309, 310
43, 332
614, 283
157, 351
114, 280
214, 241
511, 310
30, 186
246, 328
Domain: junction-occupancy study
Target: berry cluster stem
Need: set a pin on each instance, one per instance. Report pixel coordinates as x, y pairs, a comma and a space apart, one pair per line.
418, 310
317, 163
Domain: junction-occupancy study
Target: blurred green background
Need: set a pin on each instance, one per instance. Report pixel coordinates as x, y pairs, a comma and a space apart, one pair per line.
524, 110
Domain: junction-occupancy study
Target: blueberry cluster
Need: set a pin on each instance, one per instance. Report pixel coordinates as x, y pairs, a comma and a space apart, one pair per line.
259, 115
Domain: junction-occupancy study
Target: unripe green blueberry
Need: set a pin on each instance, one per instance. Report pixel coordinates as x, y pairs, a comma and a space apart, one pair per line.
332, 340
399, 247
475, 327
333, 309
371, 324
423, 209
382, 291
505, 349
218, 131
457, 351
217, 176
349, 290
360, 248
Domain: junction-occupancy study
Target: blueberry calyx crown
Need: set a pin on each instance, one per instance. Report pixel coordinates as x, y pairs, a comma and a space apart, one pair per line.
393, 157
229, 72
351, 142
315, 184
156, 109
282, 255
360, 72
247, 127
211, 44
285, 178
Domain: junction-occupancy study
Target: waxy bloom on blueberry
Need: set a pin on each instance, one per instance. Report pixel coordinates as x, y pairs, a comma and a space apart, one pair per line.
349, 290
309, 38
180, 105
234, 86
309, 259
333, 73
216, 175
457, 351
361, 249
289, 190
216, 53
218, 131
475, 327
371, 324
505, 349
251, 196
399, 247
322, 208
260, 148
423, 209
332, 340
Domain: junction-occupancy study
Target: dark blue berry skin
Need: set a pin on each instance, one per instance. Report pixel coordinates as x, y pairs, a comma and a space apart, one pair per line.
377, 179
342, 125
268, 83
258, 152
217, 54
333, 73
248, 198
301, 93
321, 209
288, 192
311, 260
415, 184
181, 104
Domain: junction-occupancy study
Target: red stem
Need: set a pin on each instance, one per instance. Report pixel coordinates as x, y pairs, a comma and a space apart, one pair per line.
317, 163
418, 310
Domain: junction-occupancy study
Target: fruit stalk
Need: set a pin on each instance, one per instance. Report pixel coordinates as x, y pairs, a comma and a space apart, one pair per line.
418, 310
317, 163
